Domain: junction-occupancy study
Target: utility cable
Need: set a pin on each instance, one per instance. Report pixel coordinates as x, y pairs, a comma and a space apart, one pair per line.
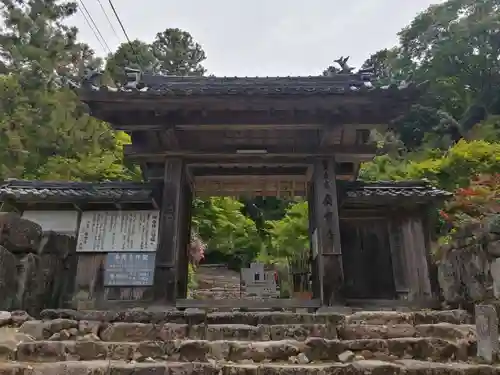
95, 25
125, 32
93, 30
109, 21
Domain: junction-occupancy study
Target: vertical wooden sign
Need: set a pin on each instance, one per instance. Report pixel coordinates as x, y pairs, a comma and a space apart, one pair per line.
327, 222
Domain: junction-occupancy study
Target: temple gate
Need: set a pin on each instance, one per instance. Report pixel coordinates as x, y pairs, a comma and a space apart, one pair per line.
288, 137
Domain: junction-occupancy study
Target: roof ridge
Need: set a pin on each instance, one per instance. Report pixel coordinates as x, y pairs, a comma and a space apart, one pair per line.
75, 185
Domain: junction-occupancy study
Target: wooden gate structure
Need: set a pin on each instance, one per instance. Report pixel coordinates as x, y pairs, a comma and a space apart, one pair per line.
293, 136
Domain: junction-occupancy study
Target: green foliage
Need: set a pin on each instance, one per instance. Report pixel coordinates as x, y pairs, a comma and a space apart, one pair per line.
192, 284
455, 46
136, 55
447, 169
290, 235
44, 132
222, 225
173, 51
37, 44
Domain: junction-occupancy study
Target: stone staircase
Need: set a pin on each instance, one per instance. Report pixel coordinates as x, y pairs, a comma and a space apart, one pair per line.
140, 342
217, 282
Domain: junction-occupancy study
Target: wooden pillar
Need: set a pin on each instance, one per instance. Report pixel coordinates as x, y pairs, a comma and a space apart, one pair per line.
398, 258
429, 217
165, 282
326, 217
415, 255
313, 243
185, 233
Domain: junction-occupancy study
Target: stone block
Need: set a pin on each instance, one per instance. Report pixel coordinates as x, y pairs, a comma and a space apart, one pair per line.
8, 279
495, 275
380, 317
19, 235
493, 248
132, 332
368, 331
45, 351
455, 316
265, 350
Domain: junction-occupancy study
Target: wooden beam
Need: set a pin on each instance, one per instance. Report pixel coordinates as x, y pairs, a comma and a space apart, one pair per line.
168, 138
278, 127
248, 171
260, 164
144, 152
265, 187
330, 135
249, 179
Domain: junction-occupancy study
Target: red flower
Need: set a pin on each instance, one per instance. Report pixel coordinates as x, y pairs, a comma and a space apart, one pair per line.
444, 215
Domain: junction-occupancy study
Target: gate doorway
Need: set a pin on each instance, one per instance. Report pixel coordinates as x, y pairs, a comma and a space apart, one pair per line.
270, 275
366, 254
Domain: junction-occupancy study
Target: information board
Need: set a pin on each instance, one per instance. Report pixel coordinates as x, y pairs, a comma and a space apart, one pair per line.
63, 222
129, 269
118, 231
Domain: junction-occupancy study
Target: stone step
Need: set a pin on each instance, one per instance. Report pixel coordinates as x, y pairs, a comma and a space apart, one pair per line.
256, 318
415, 317
65, 329
313, 349
361, 367
446, 331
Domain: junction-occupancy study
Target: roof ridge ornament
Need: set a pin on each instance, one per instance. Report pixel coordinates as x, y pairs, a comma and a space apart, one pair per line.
365, 74
344, 68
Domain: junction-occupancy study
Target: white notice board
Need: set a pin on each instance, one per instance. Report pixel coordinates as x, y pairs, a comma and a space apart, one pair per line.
118, 231
64, 222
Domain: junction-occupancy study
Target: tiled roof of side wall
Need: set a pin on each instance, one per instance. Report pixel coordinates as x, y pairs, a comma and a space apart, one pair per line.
30, 191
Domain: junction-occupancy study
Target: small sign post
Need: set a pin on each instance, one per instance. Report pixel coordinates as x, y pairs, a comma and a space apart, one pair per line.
256, 281
129, 269
487, 332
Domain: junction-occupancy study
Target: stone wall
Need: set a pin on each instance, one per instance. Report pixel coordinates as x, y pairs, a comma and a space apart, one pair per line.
37, 269
469, 265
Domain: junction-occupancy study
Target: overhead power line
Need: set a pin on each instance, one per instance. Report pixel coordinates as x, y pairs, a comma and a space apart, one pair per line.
93, 30
103, 43
125, 32
109, 21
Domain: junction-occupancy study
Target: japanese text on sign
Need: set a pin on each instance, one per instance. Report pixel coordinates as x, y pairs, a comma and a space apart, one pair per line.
112, 231
129, 269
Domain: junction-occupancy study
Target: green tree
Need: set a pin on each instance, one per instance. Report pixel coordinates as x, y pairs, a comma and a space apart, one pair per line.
44, 132
37, 44
290, 234
136, 55
456, 47
226, 230
178, 53
173, 51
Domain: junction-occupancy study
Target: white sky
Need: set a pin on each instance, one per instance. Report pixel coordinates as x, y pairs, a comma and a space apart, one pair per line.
262, 37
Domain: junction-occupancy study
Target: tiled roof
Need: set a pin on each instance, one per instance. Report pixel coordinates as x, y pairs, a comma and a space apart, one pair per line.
30, 191
161, 85
390, 189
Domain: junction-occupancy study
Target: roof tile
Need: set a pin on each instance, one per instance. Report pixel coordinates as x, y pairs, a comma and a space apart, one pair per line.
21, 190
161, 85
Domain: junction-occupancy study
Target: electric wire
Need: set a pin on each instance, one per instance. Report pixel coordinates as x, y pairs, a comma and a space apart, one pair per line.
109, 20
125, 32
95, 26
91, 28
